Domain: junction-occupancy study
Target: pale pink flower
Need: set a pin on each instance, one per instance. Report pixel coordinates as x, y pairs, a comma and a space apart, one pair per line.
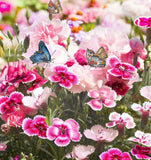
96, 76
145, 92
104, 96
99, 133
121, 120
134, 9
63, 77
37, 126
115, 153
63, 131
121, 70
81, 152
38, 98
141, 137
113, 22
145, 109
47, 31
3, 146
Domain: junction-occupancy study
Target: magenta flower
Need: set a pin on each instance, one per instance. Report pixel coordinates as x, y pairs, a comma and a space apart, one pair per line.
66, 79
104, 96
3, 146
141, 152
145, 92
141, 137
80, 57
99, 133
11, 104
63, 132
121, 70
15, 74
81, 152
115, 153
124, 120
37, 126
143, 21
4, 7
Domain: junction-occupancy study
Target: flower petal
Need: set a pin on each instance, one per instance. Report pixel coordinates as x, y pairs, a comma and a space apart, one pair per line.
52, 133
113, 61
95, 104
62, 141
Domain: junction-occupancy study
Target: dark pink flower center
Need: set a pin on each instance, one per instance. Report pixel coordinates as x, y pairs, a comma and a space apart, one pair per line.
63, 129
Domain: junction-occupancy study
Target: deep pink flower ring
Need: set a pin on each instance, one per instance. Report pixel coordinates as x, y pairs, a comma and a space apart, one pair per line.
66, 79
63, 131
115, 153
143, 21
37, 126
123, 70
11, 104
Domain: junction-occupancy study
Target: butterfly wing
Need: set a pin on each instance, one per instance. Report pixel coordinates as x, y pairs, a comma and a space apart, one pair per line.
94, 60
101, 53
44, 49
54, 7
42, 55
37, 57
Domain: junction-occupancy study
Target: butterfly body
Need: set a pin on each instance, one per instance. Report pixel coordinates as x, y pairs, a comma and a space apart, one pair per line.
96, 59
42, 55
54, 7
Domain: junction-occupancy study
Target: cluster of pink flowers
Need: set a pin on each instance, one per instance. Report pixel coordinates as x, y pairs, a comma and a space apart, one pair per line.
61, 131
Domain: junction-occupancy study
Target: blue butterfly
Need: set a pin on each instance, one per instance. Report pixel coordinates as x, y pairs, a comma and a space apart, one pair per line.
42, 55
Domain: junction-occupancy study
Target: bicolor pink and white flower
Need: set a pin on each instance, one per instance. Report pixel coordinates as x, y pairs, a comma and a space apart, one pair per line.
115, 153
99, 133
63, 77
141, 152
104, 96
81, 152
143, 21
119, 69
121, 120
63, 132
141, 137
34, 127
145, 109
